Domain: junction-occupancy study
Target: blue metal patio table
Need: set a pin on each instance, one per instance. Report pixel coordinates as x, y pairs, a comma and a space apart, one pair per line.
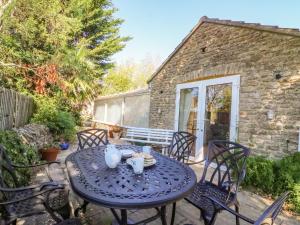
161, 184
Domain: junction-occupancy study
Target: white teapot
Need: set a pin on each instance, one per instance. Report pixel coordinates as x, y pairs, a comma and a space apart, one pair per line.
112, 156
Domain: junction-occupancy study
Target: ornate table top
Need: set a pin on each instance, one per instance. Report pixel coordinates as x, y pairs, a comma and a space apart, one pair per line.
165, 182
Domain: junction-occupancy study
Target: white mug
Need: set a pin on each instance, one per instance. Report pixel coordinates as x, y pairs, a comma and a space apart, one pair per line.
147, 149
112, 156
137, 164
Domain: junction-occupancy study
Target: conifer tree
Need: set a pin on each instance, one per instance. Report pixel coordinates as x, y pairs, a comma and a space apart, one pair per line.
58, 48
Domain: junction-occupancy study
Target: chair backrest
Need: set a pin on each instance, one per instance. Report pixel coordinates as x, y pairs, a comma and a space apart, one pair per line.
270, 214
92, 138
8, 176
227, 161
181, 146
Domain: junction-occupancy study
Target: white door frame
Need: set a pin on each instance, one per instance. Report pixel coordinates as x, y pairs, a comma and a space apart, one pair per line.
234, 116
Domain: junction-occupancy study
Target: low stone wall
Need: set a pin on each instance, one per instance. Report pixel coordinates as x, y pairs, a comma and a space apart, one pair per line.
36, 135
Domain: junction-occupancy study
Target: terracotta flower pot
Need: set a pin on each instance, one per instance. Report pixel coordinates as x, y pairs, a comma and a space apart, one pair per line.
116, 135
50, 154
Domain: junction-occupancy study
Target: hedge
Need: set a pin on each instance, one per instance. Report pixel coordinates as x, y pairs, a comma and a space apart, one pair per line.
274, 177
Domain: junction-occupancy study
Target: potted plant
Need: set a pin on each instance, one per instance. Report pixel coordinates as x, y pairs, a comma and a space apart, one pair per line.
50, 152
64, 144
116, 131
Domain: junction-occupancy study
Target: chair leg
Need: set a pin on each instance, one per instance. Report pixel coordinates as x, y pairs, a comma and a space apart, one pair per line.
173, 213
8, 221
82, 207
208, 220
65, 212
11, 222
52, 213
201, 215
85, 203
237, 219
213, 219
163, 215
123, 217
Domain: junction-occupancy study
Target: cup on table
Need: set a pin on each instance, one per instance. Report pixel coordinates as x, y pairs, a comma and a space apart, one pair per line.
112, 156
147, 149
137, 165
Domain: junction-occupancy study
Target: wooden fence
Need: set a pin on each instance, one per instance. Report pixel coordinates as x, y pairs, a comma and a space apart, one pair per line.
15, 109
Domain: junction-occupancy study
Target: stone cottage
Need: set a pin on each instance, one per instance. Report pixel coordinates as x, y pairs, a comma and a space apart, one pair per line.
232, 80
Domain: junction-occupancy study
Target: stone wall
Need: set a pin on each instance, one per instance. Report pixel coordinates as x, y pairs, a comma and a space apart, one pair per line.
216, 50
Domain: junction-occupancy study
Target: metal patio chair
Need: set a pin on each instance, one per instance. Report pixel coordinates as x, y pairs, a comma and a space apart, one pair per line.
180, 149
181, 146
267, 218
18, 202
87, 139
92, 138
227, 161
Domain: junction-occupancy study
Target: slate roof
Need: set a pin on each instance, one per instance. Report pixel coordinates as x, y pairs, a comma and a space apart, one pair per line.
256, 26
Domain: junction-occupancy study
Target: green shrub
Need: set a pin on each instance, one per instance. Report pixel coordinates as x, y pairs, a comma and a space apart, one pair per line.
295, 198
60, 123
275, 176
287, 172
19, 153
260, 174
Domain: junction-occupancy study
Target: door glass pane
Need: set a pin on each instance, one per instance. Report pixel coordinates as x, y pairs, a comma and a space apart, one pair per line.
188, 109
217, 113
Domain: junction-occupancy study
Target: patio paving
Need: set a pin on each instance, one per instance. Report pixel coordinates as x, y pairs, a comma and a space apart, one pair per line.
251, 205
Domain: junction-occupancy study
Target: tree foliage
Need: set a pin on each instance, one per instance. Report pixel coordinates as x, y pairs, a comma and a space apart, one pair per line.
118, 80
129, 76
58, 48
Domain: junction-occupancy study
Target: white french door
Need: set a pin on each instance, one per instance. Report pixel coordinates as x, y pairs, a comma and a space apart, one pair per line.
209, 110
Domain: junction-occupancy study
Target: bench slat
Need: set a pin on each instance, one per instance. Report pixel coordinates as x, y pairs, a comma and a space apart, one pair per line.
150, 131
146, 135
149, 136
147, 129
145, 141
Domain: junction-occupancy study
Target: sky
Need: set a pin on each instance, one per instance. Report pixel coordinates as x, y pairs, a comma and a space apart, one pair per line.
158, 26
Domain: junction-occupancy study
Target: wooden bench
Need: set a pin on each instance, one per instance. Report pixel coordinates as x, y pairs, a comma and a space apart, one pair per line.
148, 135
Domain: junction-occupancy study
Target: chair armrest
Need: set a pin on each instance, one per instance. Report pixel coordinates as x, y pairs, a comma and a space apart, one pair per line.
230, 210
38, 165
35, 165
38, 186
193, 163
32, 196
